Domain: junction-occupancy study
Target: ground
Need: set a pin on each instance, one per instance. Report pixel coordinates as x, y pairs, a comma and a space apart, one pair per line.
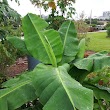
20, 66
98, 41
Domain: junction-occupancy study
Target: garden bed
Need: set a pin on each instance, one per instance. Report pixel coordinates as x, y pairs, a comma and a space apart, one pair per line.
20, 66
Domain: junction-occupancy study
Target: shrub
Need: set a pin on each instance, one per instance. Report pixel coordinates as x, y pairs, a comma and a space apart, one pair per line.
107, 25
108, 32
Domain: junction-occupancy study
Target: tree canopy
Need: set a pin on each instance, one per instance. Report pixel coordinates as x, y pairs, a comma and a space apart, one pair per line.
9, 18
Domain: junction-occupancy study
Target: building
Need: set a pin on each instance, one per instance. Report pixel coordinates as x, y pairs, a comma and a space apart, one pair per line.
106, 16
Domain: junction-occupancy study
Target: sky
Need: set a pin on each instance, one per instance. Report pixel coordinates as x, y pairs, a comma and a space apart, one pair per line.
97, 7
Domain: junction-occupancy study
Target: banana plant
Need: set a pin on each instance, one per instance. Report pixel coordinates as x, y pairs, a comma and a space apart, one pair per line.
58, 82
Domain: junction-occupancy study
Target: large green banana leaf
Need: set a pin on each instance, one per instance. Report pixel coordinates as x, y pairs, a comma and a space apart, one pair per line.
70, 42
54, 87
18, 91
82, 47
58, 91
94, 62
100, 93
45, 46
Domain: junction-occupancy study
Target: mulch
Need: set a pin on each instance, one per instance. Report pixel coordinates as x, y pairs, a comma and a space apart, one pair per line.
18, 67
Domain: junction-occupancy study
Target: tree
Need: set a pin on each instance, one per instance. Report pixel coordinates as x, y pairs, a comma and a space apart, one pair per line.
62, 4
93, 21
10, 25
10, 20
60, 10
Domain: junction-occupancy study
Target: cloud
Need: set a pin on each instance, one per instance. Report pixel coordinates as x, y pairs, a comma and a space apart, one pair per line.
24, 7
97, 7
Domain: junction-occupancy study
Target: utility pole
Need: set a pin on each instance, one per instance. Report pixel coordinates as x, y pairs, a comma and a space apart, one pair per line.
90, 16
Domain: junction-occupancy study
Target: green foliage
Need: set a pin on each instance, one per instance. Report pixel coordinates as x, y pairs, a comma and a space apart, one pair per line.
93, 21
108, 32
10, 24
56, 17
69, 40
10, 21
101, 79
55, 84
22, 90
94, 63
107, 25
93, 25
49, 40
81, 51
55, 21
7, 55
102, 97
59, 84
21, 46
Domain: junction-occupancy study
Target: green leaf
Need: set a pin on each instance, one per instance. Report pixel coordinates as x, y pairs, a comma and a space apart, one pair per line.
55, 43
81, 49
94, 62
78, 74
69, 38
18, 43
99, 93
103, 88
43, 45
17, 92
86, 64
101, 60
58, 91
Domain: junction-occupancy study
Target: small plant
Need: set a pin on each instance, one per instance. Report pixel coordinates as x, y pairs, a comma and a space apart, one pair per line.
108, 32
58, 82
102, 79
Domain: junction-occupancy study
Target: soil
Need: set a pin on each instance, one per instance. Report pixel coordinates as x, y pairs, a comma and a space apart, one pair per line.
20, 66
89, 52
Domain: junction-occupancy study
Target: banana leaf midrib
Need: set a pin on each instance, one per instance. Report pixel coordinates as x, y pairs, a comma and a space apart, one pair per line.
68, 94
52, 55
15, 88
66, 37
52, 59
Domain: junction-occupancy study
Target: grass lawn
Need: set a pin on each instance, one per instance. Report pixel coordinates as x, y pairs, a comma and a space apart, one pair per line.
98, 42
